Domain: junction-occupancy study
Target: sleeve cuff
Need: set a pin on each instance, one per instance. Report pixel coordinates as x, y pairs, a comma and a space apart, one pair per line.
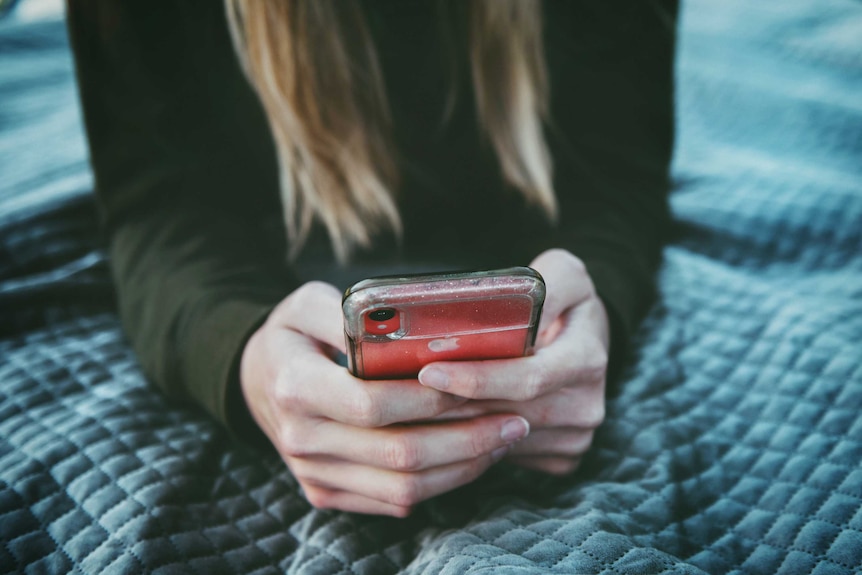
213, 358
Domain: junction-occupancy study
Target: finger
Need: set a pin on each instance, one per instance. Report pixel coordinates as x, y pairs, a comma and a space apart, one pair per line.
577, 406
561, 442
314, 309
550, 465
393, 487
323, 498
406, 447
577, 357
567, 283
315, 386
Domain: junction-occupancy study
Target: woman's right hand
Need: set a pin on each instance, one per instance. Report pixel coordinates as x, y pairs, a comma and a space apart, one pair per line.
342, 437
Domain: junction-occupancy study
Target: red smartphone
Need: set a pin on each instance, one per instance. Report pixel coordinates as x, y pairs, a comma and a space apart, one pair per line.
394, 325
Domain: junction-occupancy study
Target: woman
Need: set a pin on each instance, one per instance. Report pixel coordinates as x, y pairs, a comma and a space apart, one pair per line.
242, 151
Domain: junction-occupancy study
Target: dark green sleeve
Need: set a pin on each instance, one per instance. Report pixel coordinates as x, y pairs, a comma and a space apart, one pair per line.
185, 178
612, 69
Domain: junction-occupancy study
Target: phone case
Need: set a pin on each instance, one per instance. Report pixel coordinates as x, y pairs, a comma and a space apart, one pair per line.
394, 325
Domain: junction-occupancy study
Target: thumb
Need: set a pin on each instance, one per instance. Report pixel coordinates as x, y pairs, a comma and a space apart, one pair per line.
567, 285
313, 309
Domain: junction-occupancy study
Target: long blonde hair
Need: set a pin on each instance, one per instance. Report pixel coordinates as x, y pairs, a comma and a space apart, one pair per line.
316, 72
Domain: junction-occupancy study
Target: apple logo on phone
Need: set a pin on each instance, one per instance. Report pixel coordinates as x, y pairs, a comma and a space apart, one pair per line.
444, 344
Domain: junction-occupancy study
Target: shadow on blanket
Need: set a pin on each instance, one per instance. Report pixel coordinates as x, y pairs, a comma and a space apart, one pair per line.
733, 444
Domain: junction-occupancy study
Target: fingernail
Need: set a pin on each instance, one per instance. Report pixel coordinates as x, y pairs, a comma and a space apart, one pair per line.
499, 453
515, 429
434, 378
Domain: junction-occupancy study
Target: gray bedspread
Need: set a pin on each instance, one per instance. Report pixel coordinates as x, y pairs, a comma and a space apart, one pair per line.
733, 443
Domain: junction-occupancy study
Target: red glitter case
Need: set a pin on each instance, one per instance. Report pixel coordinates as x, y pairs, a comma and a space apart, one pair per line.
394, 325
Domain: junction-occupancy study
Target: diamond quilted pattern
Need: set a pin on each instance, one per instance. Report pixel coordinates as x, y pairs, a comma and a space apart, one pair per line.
733, 444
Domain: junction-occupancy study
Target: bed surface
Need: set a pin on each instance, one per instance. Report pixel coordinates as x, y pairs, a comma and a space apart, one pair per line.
733, 444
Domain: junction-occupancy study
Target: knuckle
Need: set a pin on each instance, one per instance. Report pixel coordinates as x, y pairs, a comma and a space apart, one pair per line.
319, 498
288, 395
290, 305
292, 441
577, 444
593, 415
475, 385
555, 409
364, 411
479, 443
406, 491
402, 454
535, 383
295, 304
575, 263
302, 470
443, 402
594, 368
586, 443
544, 416
595, 372
308, 290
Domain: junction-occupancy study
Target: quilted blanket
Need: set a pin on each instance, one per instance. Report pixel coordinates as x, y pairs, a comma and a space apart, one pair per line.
733, 442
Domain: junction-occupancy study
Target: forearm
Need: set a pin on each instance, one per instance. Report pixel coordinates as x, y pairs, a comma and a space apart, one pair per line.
185, 175
612, 135
192, 288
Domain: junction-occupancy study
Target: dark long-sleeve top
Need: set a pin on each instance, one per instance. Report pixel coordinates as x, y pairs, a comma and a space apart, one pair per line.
187, 184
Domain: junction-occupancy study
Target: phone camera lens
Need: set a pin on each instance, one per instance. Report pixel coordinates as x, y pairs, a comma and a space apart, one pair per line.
381, 315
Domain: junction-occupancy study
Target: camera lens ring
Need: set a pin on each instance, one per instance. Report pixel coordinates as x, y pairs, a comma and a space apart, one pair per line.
382, 314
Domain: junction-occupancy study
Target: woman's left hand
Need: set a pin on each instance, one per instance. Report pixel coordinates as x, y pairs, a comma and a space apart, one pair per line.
560, 389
